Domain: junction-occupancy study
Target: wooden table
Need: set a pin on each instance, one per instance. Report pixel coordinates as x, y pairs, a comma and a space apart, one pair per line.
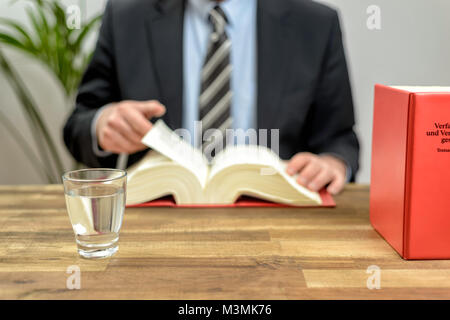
249, 253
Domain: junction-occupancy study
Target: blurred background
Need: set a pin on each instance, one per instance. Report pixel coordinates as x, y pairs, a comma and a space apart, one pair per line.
37, 82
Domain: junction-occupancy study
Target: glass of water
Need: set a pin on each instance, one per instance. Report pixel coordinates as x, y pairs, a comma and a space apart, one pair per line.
95, 200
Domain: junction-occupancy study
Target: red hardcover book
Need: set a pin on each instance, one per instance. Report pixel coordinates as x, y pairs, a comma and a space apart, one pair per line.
409, 199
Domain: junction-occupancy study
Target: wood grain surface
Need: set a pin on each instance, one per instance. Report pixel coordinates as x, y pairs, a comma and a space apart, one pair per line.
245, 253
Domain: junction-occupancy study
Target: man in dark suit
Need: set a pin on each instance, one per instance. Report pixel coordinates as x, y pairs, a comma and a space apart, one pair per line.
241, 64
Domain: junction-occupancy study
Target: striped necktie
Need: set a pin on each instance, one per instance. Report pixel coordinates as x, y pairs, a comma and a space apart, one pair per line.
216, 94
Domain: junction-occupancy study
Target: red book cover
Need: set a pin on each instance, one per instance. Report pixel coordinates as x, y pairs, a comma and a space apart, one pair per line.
243, 202
409, 201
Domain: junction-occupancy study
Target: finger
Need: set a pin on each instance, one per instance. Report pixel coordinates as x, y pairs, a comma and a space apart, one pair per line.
151, 108
297, 163
118, 143
336, 185
309, 172
137, 120
321, 180
124, 128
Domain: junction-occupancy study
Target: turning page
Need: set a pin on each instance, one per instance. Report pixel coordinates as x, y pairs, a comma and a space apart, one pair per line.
162, 139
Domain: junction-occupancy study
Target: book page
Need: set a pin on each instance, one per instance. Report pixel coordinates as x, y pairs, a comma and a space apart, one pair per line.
257, 155
423, 89
151, 159
162, 139
247, 154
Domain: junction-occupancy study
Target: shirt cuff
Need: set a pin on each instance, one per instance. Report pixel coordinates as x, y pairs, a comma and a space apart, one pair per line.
348, 170
95, 147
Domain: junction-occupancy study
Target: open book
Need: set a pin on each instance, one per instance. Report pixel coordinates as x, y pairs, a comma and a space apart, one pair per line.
175, 168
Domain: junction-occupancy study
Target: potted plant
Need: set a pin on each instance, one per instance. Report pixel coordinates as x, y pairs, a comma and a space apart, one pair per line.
61, 48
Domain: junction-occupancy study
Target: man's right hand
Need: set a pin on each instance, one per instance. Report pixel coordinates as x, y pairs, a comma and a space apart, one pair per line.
121, 126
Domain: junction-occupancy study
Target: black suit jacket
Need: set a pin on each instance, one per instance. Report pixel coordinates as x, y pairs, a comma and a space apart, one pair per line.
303, 85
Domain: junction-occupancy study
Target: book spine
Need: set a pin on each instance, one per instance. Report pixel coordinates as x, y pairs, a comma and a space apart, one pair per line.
389, 153
408, 176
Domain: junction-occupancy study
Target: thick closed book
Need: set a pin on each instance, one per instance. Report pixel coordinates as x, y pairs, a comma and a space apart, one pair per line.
174, 173
409, 196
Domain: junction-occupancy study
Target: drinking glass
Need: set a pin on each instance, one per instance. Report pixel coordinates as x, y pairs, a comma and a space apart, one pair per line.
95, 200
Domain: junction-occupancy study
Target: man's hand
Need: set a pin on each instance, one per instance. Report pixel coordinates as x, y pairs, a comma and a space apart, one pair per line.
315, 172
121, 126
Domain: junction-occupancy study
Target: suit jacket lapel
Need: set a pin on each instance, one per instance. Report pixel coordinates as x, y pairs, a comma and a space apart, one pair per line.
271, 46
165, 32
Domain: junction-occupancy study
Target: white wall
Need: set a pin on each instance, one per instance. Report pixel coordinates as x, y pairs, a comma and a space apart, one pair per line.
412, 48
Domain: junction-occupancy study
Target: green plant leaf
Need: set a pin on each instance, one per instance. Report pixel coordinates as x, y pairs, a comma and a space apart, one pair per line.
45, 37
13, 42
26, 38
37, 28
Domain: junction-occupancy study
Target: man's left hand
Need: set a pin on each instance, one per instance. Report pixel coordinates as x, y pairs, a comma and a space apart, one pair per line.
317, 171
